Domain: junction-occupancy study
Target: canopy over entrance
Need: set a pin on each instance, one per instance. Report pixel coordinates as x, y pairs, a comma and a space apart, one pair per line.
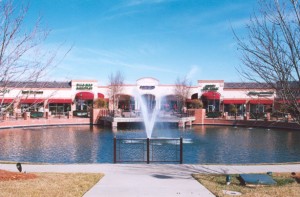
100, 95
211, 95
85, 96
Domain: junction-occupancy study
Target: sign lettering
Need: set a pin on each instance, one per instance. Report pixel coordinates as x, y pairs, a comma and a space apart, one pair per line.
84, 86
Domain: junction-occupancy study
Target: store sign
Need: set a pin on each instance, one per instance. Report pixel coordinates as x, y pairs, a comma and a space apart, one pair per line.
210, 88
260, 93
4, 91
84, 86
32, 92
147, 87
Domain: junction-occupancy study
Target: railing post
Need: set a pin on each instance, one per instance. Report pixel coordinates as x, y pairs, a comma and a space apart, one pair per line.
115, 150
181, 151
148, 150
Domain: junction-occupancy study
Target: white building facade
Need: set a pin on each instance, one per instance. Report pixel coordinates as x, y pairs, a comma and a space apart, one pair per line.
79, 95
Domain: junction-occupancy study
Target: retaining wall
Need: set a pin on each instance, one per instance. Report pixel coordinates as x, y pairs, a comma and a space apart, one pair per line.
42, 122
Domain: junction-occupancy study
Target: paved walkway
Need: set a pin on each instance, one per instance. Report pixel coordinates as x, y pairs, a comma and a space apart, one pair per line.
151, 179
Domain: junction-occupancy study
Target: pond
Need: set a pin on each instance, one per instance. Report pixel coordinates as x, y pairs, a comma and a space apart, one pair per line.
201, 144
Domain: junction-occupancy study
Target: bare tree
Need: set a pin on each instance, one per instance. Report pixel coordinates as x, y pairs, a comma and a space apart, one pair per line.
271, 53
116, 82
182, 91
23, 61
22, 58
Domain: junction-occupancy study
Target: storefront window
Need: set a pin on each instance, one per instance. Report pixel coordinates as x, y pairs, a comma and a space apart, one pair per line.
240, 109
4, 108
83, 105
257, 108
32, 107
59, 108
212, 105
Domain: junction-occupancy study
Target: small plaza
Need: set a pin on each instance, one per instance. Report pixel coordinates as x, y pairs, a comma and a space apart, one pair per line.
149, 98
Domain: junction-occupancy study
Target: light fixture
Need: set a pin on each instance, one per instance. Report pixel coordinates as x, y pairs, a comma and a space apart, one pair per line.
228, 179
19, 167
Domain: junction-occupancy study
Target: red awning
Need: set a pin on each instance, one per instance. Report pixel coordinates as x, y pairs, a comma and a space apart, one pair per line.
234, 101
60, 101
6, 100
31, 101
85, 96
211, 95
100, 95
261, 101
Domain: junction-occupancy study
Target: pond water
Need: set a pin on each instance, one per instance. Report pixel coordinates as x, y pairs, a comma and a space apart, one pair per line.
202, 144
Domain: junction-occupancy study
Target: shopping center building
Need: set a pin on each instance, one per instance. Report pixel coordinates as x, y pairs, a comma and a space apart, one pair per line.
79, 95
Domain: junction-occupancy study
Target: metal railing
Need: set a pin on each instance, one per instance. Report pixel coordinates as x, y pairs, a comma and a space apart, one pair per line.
258, 115
137, 113
145, 150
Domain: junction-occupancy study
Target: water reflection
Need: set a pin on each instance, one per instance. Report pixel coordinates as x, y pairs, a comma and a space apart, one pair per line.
202, 144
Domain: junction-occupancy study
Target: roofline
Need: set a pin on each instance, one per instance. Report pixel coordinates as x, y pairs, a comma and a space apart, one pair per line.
210, 81
148, 78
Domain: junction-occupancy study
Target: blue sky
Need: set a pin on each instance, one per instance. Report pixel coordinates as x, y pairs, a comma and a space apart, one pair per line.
164, 39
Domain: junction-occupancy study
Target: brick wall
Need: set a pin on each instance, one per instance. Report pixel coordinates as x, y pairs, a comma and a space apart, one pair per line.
200, 116
42, 121
201, 119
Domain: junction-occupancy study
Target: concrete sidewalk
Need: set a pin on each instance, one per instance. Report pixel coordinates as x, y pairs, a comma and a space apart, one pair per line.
151, 179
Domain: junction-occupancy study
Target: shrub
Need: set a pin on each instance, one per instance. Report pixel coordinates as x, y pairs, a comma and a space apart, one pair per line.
196, 104
100, 103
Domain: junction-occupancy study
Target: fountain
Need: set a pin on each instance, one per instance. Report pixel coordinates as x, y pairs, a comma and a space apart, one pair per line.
149, 117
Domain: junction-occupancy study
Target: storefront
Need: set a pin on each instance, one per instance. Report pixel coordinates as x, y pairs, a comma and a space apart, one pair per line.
126, 102
211, 101
6, 105
169, 103
84, 101
59, 106
258, 107
32, 105
234, 107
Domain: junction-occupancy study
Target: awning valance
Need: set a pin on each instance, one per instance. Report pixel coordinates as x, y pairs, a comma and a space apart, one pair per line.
60, 101
85, 96
234, 101
31, 101
100, 95
261, 101
6, 100
211, 95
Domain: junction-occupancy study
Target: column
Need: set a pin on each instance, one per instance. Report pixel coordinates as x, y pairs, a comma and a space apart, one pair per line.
136, 103
158, 104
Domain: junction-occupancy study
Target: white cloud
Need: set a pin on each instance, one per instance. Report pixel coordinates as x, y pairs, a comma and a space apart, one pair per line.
192, 72
82, 61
